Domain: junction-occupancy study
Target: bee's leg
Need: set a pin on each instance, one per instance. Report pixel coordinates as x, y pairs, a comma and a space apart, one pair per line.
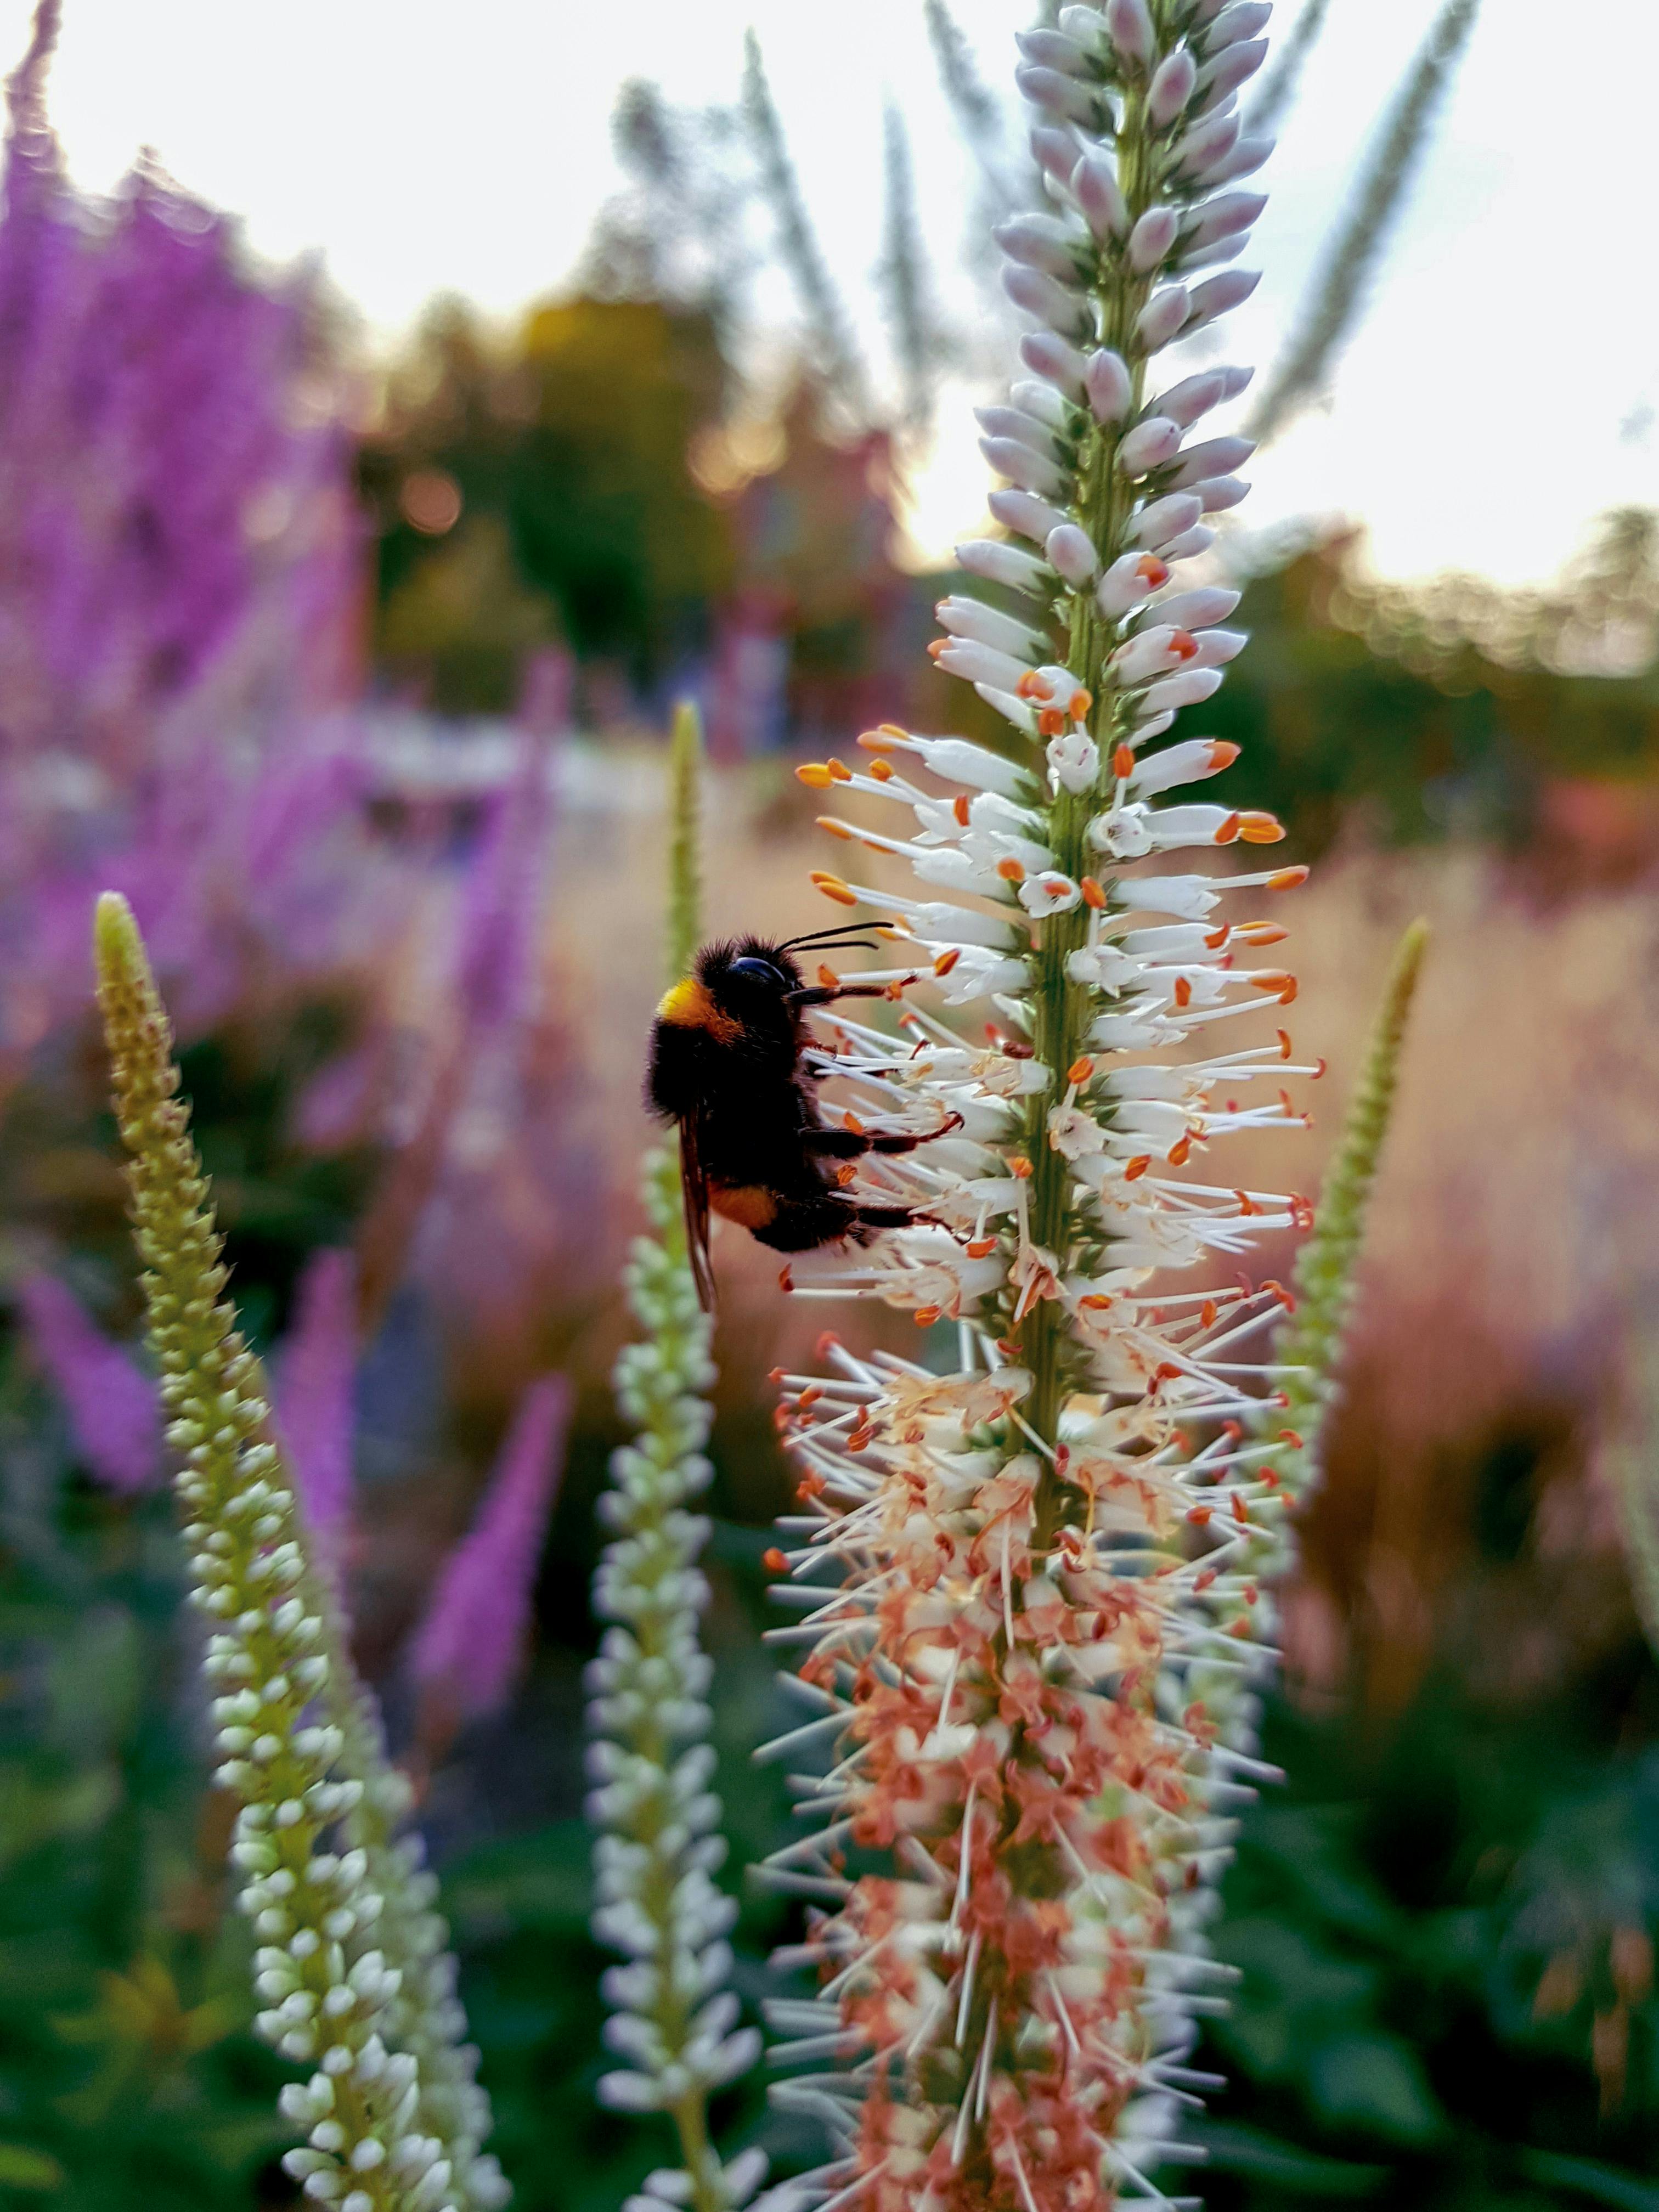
802, 1225
823, 994
852, 1144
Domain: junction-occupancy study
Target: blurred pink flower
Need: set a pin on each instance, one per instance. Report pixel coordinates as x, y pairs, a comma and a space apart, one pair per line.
115, 1415
469, 1645
314, 1372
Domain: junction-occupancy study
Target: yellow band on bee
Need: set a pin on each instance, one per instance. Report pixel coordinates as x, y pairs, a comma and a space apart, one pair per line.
689, 1006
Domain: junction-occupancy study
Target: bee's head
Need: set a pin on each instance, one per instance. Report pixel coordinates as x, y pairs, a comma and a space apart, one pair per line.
737, 993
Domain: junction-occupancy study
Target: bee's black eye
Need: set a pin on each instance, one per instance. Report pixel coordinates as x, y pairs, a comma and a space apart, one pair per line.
758, 971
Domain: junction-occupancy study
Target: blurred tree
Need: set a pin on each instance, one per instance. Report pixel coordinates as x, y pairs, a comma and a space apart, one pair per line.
572, 437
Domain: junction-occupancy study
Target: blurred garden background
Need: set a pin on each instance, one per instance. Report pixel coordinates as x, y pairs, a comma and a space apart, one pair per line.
340, 629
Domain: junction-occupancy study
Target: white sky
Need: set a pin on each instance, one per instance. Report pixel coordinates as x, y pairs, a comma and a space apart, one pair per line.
1492, 403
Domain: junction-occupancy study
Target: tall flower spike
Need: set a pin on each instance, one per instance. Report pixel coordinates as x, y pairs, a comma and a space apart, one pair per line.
1309, 1346
346, 1970
657, 1845
1002, 1567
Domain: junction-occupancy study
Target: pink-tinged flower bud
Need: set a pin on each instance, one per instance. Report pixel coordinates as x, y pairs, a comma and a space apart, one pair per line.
1040, 242
1219, 295
966, 617
978, 664
1011, 423
1129, 583
1129, 27
1059, 95
1197, 610
1107, 382
1071, 552
1232, 67
1151, 238
1216, 456
1149, 445
1156, 651
1225, 216
1218, 647
1240, 19
1023, 467
1065, 312
1220, 493
1172, 88
1051, 357
1052, 50
1021, 512
1162, 318
1187, 688
1207, 141
1055, 151
1190, 543
1154, 525
1095, 188
1005, 564
1246, 157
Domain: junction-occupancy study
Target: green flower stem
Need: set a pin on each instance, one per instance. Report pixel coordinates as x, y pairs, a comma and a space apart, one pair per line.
1311, 1344
1062, 1008
353, 1968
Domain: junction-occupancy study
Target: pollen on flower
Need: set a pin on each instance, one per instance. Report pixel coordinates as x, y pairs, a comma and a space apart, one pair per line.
1257, 828
1093, 895
1123, 762
839, 769
1288, 880
833, 888
1011, 870
814, 774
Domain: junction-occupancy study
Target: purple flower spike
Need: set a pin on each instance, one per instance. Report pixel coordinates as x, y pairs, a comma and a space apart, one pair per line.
315, 1371
115, 1415
470, 1643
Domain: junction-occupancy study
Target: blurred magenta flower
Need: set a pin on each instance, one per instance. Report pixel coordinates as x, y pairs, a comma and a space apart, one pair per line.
314, 1372
469, 1645
115, 1415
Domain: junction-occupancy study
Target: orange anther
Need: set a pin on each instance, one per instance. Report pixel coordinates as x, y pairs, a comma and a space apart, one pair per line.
1275, 982
1208, 1313
1228, 830
814, 774
1081, 703
833, 888
850, 1120
1246, 1205
1278, 1290
1183, 645
1050, 723
839, 769
936, 646
828, 977
1183, 992
1218, 936
1260, 829
1286, 879
881, 770
926, 1316
1290, 1437
1123, 762
1262, 933
881, 740
837, 829
773, 1561
981, 1248
1319, 1067
1093, 894
1018, 1165
1080, 1070
1034, 685
947, 960
1179, 1154
1241, 1512
1284, 1036
959, 808
1096, 1301
846, 1173
1137, 1167
1151, 570
1200, 1514
785, 1280
1011, 870
1223, 754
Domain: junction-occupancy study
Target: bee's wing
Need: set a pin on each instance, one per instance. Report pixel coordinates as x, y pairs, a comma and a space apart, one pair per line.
694, 1190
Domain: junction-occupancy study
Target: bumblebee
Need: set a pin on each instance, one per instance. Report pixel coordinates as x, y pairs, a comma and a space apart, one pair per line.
728, 1064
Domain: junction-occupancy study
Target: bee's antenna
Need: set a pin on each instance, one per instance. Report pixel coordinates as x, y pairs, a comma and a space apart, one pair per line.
824, 937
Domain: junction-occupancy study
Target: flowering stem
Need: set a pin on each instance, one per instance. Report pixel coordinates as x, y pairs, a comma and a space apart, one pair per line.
657, 1845
292, 1727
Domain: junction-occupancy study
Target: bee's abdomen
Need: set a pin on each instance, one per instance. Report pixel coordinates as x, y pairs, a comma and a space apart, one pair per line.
750, 1205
